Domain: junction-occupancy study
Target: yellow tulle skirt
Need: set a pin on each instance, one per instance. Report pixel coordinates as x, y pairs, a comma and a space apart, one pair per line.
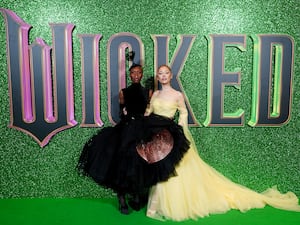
199, 190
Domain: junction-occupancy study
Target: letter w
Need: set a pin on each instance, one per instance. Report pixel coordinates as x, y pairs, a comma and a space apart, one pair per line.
39, 106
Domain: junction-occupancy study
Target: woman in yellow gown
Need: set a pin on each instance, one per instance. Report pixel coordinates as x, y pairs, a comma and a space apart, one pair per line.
198, 189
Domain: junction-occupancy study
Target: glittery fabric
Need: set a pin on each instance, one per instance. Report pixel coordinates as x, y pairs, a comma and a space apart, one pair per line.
255, 157
158, 148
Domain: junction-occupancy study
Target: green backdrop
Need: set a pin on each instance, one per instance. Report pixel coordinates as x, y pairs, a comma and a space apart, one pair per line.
255, 157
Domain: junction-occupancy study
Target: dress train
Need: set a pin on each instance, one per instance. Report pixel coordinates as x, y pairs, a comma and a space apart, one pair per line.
199, 190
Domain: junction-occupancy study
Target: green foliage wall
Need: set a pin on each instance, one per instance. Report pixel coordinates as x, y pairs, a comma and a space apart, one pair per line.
255, 157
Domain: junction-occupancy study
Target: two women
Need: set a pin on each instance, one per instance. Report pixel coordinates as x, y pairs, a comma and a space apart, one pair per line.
158, 153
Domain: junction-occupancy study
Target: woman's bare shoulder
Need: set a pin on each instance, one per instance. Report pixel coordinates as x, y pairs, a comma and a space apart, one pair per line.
178, 94
155, 93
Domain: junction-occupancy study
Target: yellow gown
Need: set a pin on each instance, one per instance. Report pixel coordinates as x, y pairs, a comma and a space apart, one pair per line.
198, 189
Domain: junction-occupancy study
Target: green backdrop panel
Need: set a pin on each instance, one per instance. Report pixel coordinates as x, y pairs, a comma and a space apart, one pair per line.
255, 157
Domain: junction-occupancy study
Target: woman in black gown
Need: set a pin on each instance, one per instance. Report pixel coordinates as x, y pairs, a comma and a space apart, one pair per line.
126, 157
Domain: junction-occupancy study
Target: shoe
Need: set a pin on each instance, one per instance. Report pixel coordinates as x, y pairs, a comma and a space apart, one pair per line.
123, 207
135, 205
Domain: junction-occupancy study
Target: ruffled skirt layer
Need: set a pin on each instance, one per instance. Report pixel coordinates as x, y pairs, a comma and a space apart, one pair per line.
135, 154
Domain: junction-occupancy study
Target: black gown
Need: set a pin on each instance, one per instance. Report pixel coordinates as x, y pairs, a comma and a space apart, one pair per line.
136, 153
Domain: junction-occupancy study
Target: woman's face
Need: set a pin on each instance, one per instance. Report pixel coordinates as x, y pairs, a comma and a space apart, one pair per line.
164, 75
136, 74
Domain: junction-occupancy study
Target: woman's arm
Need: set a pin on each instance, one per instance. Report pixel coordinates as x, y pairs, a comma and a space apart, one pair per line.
149, 109
183, 113
122, 104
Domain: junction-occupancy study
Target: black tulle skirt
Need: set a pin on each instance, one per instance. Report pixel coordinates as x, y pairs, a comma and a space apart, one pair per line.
135, 154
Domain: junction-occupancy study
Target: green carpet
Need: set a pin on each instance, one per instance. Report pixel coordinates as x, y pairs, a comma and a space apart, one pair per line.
104, 211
